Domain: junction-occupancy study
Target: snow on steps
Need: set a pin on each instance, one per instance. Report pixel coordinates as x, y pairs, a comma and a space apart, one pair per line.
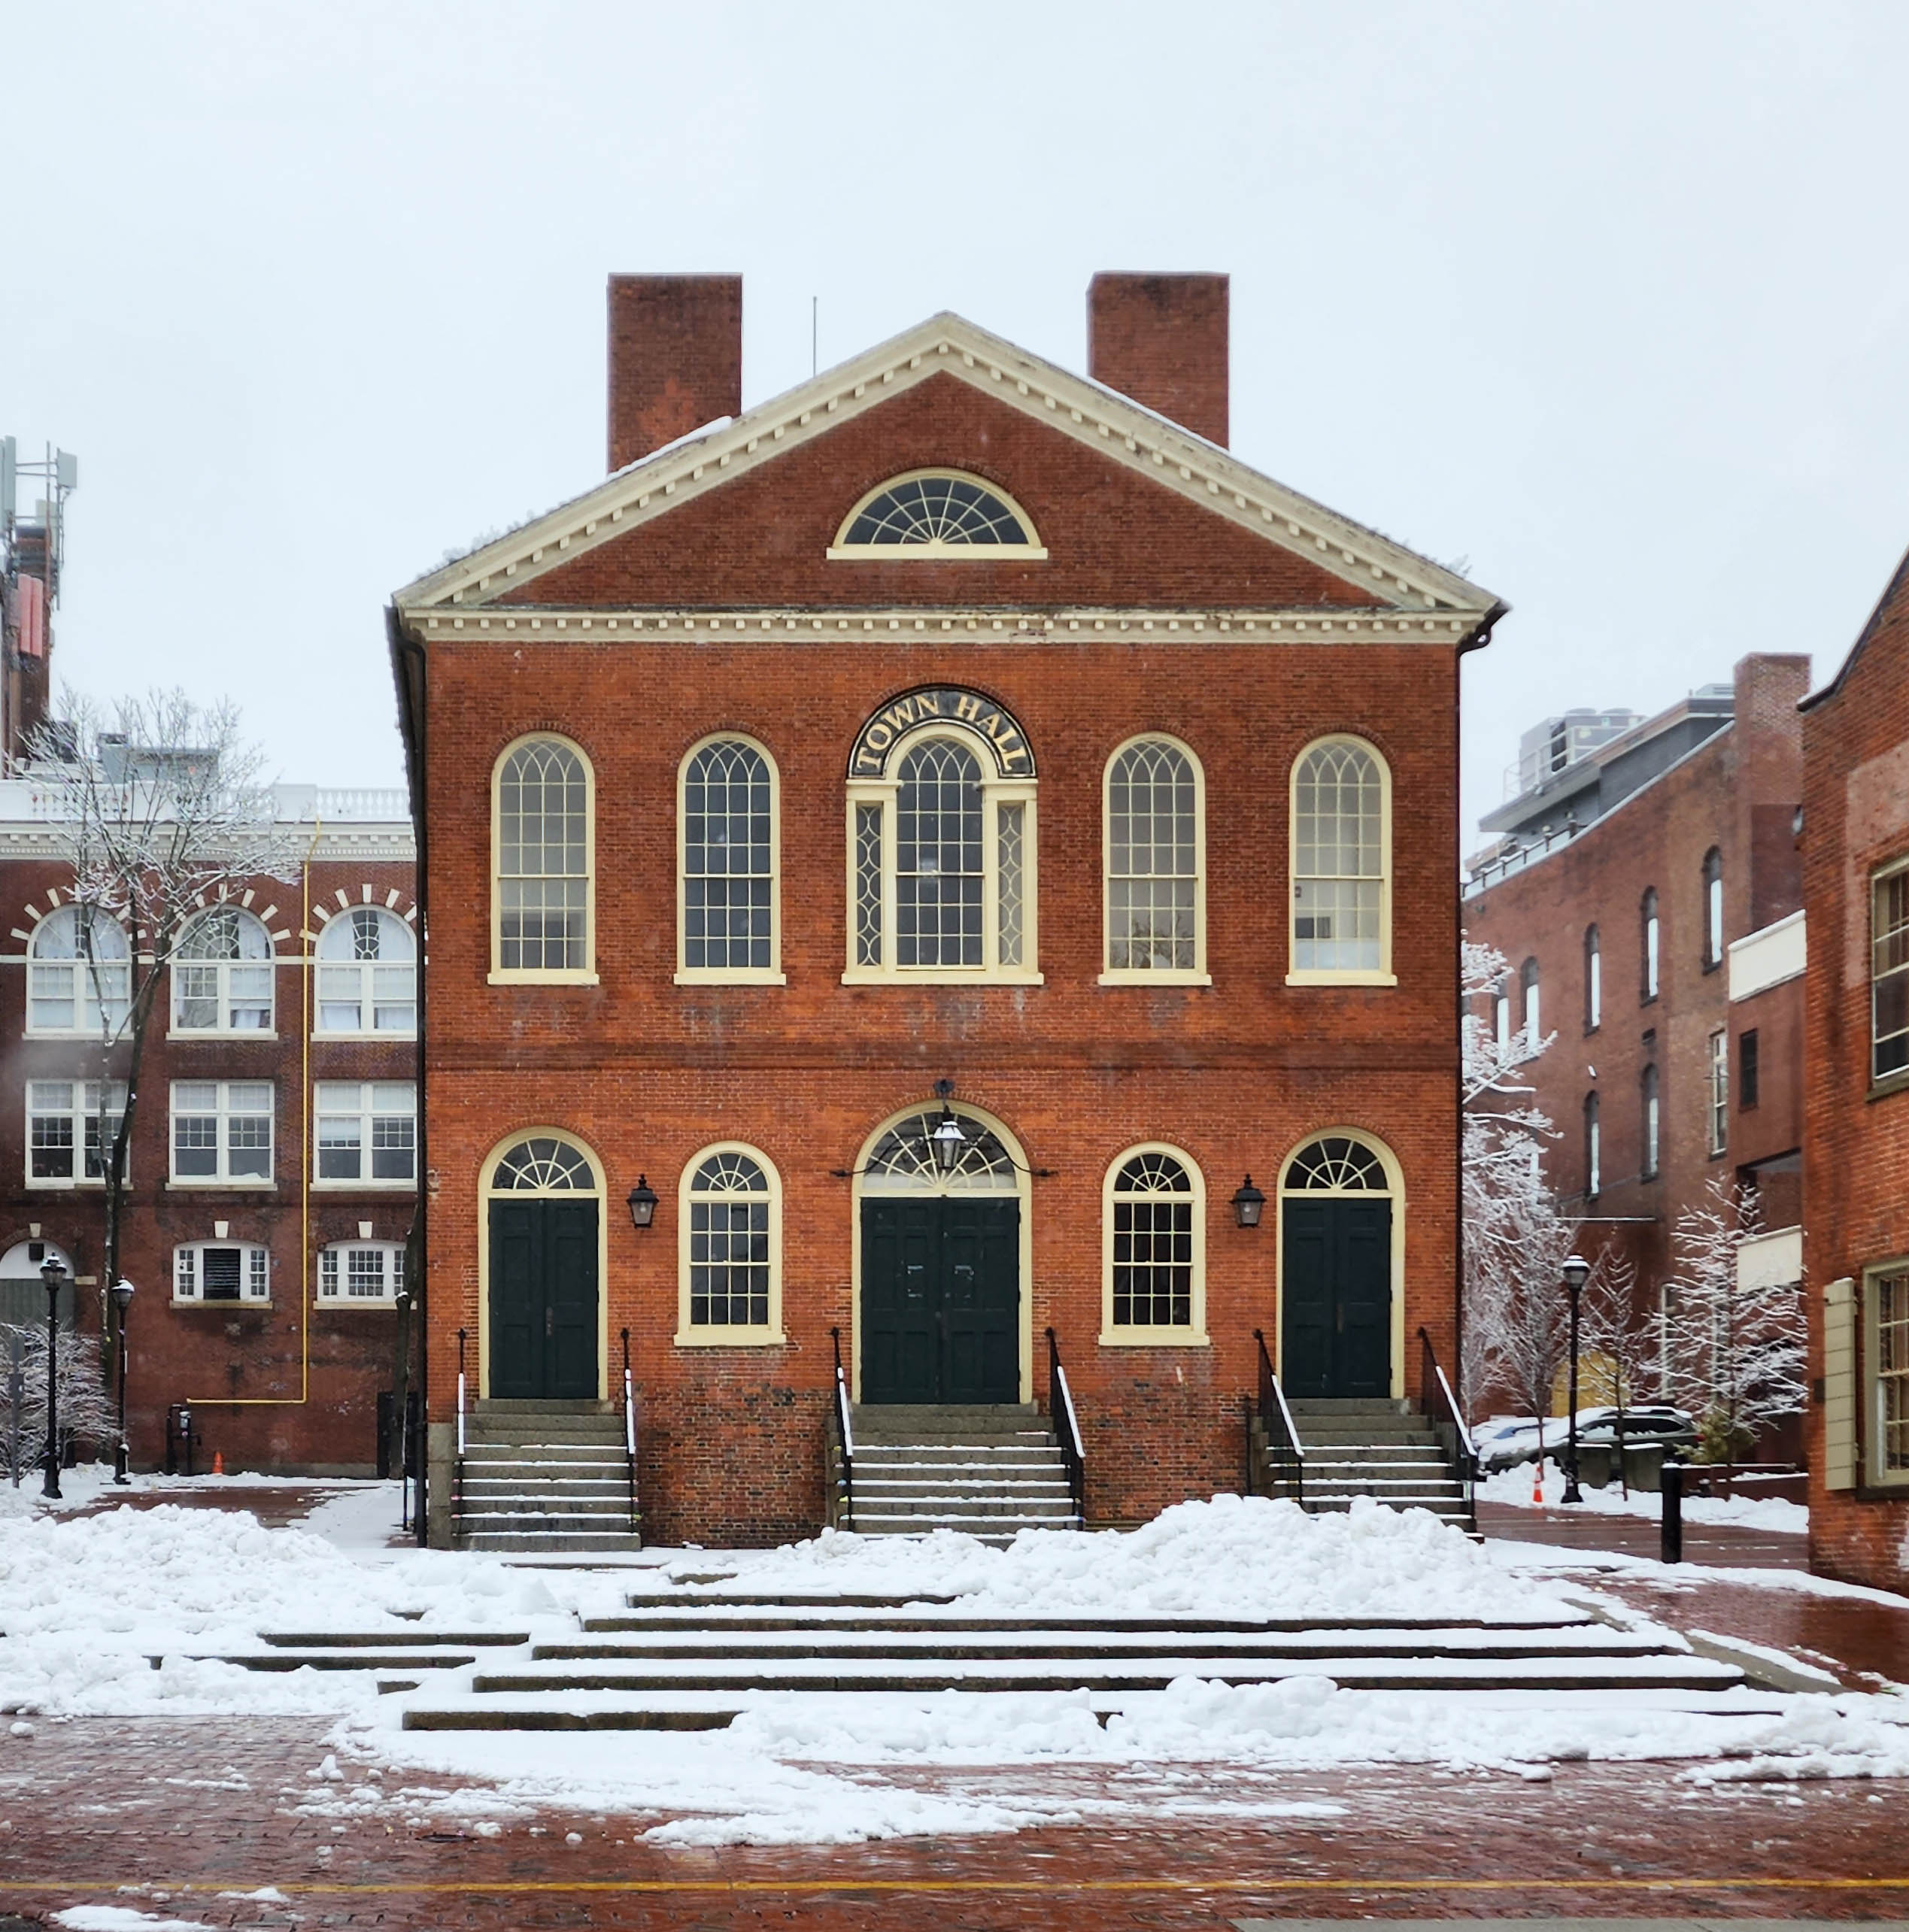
1377, 1448
987, 1470
544, 1477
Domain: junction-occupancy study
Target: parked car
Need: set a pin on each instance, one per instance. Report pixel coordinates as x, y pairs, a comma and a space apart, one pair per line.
1506, 1441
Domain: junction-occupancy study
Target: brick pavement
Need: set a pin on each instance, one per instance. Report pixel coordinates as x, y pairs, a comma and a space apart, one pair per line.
179, 1810
1726, 1546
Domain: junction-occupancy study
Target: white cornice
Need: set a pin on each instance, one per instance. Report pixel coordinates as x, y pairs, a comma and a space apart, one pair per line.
1097, 416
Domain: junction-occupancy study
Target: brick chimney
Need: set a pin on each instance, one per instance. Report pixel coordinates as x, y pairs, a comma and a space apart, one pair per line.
675, 358
1162, 340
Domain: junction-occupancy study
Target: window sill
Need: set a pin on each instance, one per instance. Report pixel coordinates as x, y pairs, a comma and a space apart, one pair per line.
1314, 976
1154, 1338
934, 976
89, 1034
383, 1303
406, 1037
364, 1187
518, 977
725, 976
45, 1185
220, 1036
937, 554
1160, 976
197, 1185
730, 1338
221, 1308
1890, 1083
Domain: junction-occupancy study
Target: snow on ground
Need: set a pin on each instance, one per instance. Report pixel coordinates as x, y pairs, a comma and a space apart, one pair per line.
85, 1603
1753, 1512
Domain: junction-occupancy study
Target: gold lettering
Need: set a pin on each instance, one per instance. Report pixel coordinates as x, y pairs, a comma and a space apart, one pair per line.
966, 707
900, 714
883, 741
866, 761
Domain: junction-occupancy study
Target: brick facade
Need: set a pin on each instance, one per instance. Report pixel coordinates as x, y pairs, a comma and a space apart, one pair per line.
1132, 624
1856, 753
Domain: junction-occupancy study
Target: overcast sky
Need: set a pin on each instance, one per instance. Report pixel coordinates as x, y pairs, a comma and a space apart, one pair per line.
1609, 300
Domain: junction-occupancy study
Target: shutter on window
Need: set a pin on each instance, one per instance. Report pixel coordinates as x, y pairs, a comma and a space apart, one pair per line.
1839, 1384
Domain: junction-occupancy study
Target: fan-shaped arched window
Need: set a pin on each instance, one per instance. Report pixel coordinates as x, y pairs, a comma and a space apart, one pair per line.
543, 842
936, 513
222, 974
903, 1161
1154, 1248
79, 978
543, 1165
1155, 834
367, 973
731, 1248
1335, 1164
1342, 844
727, 833
1713, 909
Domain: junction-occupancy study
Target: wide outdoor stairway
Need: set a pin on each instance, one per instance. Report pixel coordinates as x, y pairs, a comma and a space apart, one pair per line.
1379, 1449
545, 1477
990, 1470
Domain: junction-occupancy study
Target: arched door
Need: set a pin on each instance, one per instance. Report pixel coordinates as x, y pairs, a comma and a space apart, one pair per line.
940, 1304
545, 1211
1336, 1271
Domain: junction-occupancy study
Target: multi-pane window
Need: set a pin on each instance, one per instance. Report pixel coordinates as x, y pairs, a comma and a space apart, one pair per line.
366, 1130
543, 845
1594, 982
1340, 849
1889, 1294
729, 1250
1527, 990
1889, 974
1713, 909
1651, 1121
1648, 934
1748, 1069
1154, 881
1152, 1249
221, 1271
939, 877
1720, 1090
1593, 1146
361, 1271
367, 973
66, 1132
222, 974
934, 512
728, 860
222, 1130
79, 977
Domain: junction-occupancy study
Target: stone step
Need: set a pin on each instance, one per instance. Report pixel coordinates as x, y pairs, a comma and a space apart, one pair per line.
1331, 1406
918, 1509
591, 1517
352, 1660
718, 1617
551, 1542
390, 1640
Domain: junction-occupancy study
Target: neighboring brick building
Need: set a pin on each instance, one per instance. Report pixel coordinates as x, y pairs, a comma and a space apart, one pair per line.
264, 1282
727, 774
1856, 1188
1645, 890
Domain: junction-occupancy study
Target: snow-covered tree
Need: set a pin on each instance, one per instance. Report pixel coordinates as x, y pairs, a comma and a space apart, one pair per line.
1614, 1327
1733, 1349
87, 1412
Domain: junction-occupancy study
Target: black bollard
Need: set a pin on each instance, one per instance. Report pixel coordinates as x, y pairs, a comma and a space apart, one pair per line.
1672, 1547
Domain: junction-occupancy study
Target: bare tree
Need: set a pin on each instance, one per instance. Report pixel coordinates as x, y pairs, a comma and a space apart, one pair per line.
1734, 1350
1615, 1328
86, 1410
162, 809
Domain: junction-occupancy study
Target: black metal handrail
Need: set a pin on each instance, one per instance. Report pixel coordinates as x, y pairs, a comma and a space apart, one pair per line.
458, 1465
844, 1435
1283, 1447
629, 1429
1441, 1411
1067, 1430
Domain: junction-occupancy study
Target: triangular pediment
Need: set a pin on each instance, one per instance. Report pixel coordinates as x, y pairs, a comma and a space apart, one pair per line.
1384, 575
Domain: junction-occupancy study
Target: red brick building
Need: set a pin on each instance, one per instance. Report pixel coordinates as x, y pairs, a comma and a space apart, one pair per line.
953, 755
1855, 844
1645, 890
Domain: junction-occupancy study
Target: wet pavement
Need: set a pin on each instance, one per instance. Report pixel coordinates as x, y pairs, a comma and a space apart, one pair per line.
1725, 1545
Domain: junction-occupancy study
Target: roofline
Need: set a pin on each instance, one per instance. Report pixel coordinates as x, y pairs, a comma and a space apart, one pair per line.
1897, 583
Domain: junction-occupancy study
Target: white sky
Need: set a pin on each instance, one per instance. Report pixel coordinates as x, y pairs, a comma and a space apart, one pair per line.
1610, 299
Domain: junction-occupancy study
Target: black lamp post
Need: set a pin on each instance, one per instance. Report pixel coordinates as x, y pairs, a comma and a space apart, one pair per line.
1576, 1272
642, 1203
1248, 1204
123, 1455
54, 1274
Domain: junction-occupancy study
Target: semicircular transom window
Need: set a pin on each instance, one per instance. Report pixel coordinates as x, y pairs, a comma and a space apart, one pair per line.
937, 513
903, 1162
1335, 1164
543, 1165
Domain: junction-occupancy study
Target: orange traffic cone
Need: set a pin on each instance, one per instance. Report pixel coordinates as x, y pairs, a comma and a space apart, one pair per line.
218, 1462
1538, 1481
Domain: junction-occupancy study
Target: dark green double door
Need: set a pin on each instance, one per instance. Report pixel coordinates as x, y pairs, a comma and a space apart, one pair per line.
1336, 1335
543, 1300
941, 1301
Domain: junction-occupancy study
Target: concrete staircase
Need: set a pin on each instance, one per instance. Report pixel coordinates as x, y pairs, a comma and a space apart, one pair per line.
1381, 1449
988, 1469
545, 1477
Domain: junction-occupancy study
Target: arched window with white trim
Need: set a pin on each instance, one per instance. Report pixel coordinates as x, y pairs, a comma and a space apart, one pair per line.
731, 1240
367, 973
1153, 1245
79, 978
543, 856
222, 974
1342, 846
937, 515
1154, 840
728, 919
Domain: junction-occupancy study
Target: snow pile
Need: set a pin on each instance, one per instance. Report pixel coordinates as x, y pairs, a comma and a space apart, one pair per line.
1235, 1557
1753, 1512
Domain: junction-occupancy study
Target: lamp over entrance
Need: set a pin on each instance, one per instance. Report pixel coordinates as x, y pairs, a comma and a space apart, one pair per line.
642, 1203
1248, 1203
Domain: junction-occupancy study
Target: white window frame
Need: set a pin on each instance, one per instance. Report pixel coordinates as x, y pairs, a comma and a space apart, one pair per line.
81, 1112
1594, 1150
1876, 1474
371, 1101
1593, 979
1653, 950
1196, 975
709, 1335
223, 970
1381, 975
1130, 1335
771, 975
1718, 1096
502, 975
997, 791
1713, 946
82, 997
1878, 879
333, 972
843, 551
334, 1259
224, 1114
189, 1275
